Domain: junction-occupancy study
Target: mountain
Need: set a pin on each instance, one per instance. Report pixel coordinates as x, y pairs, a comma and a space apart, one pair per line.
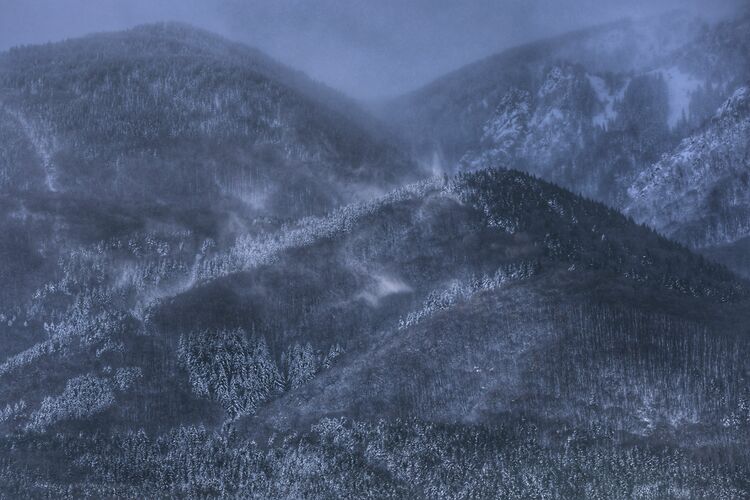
699, 193
172, 130
491, 321
170, 115
589, 110
217, 281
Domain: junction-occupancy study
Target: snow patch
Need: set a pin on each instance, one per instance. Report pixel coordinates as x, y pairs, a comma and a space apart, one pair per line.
43, 143
552, 117
681, 87
607, 99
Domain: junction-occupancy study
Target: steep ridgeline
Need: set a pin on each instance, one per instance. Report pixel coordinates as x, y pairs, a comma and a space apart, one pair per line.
699, 194
168, 130
589, 110
168, 114
362, 353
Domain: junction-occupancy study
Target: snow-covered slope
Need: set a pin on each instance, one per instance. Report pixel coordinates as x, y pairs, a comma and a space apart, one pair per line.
700, 192
589, 110
543, 126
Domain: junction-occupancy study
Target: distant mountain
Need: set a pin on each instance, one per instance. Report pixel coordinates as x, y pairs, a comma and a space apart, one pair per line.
170, 366
700, 193
589, 110
170, 114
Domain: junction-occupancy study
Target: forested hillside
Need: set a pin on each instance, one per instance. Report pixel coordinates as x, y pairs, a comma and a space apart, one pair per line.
700, 193
167, 114
183, 356
165, 130
222, 279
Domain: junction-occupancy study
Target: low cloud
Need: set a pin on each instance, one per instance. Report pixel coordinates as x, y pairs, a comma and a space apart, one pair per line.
367, 49
383, 285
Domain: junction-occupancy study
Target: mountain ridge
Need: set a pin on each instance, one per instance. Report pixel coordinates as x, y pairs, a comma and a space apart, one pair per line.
220, 286
228, 93
615, 122
354, 316
697, 193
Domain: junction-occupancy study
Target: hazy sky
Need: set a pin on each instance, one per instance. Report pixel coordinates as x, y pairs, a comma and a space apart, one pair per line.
367, 48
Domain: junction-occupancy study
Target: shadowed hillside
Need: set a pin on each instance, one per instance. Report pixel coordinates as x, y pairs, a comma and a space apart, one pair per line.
492, 299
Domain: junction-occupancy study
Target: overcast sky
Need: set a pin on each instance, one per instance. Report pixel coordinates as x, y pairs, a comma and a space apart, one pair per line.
367, 48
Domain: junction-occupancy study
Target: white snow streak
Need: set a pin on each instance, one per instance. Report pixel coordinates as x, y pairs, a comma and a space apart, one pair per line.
607, 99
43, 144
681, 86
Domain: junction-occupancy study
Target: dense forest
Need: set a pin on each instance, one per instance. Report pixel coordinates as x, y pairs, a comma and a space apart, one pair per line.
222, 279
608, 112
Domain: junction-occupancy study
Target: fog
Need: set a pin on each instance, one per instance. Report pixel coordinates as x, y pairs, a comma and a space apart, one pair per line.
366, 48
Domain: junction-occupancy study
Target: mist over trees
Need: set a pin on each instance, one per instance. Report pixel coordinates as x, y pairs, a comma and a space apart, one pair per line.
221, 278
